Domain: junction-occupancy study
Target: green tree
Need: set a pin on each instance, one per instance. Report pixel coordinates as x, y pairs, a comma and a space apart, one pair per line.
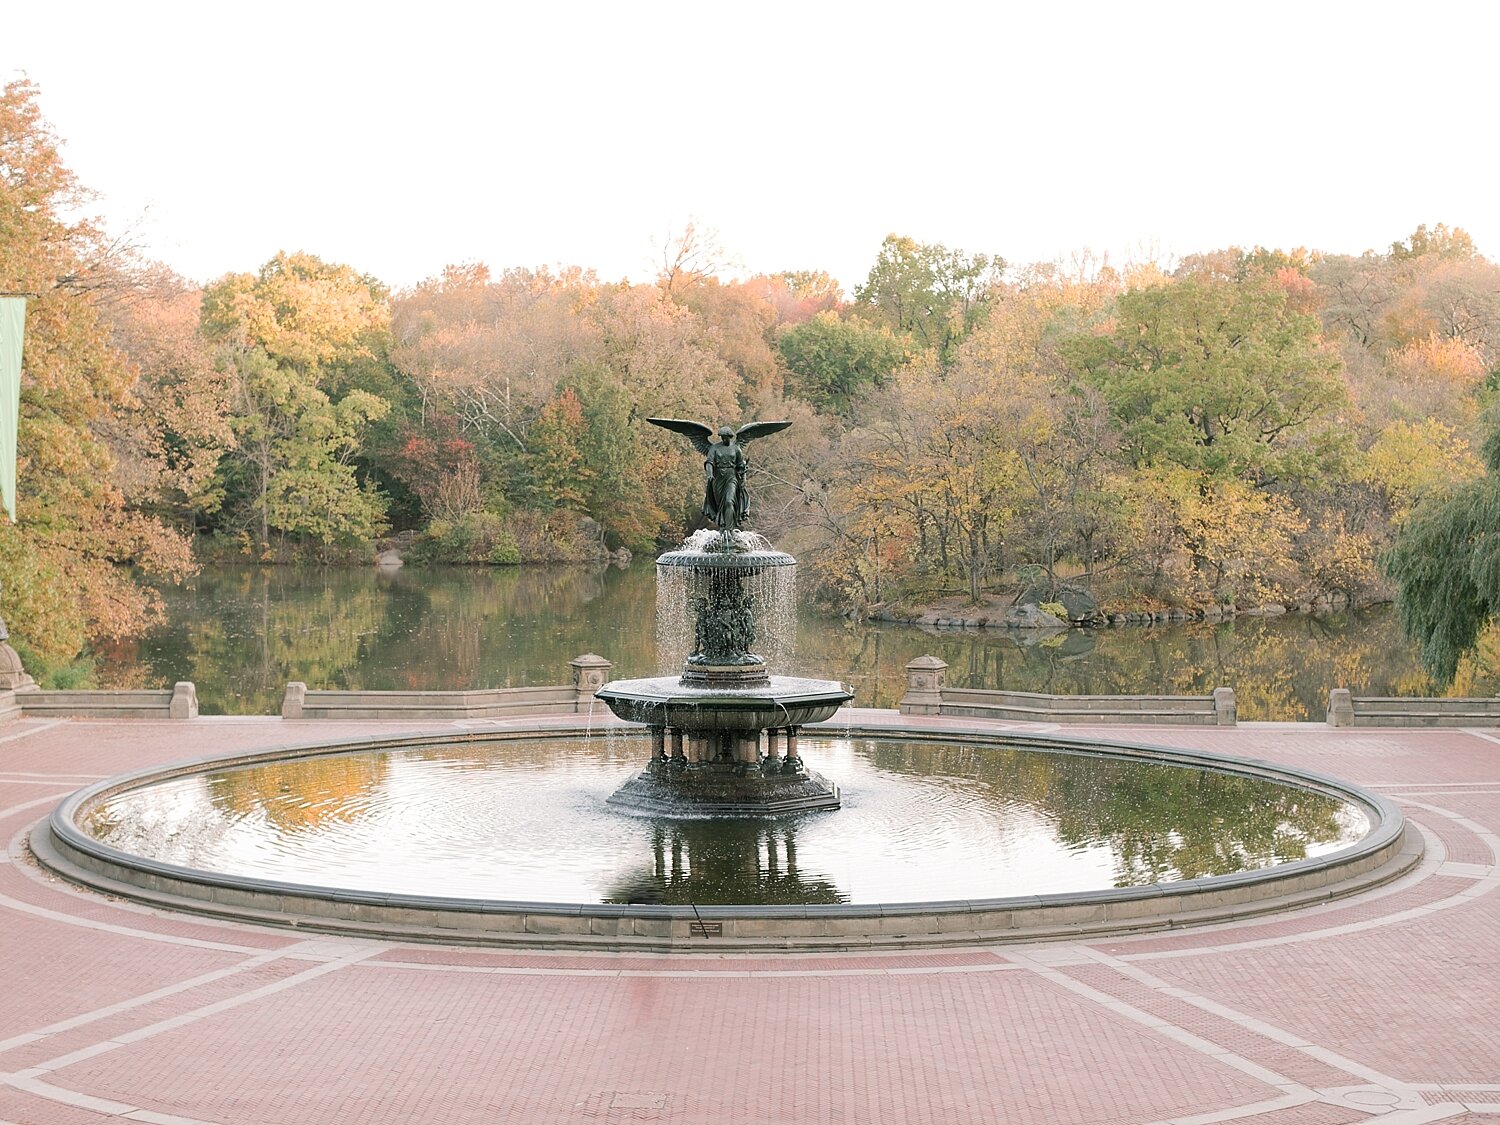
290, 335
935, 295
833, 360
1446, 568
1221, 376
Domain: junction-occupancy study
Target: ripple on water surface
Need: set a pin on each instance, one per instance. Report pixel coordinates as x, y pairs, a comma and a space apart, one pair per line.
527, 821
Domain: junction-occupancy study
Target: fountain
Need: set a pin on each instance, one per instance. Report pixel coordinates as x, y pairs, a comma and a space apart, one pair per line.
951, 834
724, 732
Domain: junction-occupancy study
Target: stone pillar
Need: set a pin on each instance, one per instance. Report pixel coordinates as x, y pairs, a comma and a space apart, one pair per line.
589, 674
793, 762
184, 703
773, 759
678, 758
292, 701
658, 744
1340, 707
1225, 714
747, 748
924, 687
699, 749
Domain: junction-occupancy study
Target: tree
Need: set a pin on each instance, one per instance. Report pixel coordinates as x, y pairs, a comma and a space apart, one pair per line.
929, 292
63, 586
170, 440
1220, 376
285, 334
1410, 462
835, 360
1446, 568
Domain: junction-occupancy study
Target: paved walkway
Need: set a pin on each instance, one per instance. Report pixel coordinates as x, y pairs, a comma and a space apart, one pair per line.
1385, 1007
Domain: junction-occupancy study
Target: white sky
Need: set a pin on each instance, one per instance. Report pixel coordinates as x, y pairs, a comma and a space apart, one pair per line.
399, 138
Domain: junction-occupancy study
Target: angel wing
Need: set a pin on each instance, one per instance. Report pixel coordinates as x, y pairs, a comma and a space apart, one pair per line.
696, 432
754, 430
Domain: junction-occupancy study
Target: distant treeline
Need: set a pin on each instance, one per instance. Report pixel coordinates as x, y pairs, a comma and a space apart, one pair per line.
1239, 426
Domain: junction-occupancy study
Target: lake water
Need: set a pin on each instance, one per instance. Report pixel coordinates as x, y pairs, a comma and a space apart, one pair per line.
240, 633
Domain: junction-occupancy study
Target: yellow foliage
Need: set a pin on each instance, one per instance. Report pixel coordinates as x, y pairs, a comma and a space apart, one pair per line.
1412, 461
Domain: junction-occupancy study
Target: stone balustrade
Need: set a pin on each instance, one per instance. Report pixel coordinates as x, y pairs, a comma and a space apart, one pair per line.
590, 672
180, 702
928, 694
1346, 709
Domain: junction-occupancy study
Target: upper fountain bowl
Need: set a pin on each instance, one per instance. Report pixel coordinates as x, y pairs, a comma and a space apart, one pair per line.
726, 550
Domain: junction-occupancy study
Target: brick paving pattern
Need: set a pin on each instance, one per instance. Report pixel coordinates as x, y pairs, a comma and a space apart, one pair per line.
1384, 1008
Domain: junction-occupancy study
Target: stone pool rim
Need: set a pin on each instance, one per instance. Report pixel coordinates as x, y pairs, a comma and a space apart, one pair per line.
1386, 851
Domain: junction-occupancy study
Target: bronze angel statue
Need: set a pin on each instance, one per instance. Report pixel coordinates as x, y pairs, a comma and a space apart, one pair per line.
725, 500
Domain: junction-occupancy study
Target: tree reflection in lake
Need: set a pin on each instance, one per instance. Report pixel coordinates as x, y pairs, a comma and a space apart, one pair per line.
242, 633
1159, 821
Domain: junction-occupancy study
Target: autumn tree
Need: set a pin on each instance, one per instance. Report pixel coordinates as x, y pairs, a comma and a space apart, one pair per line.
62, 584
176, 427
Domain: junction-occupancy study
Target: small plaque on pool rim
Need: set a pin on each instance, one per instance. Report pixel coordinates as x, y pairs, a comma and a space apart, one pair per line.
706, 929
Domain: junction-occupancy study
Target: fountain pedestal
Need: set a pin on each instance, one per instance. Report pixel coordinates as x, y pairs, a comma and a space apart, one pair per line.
724, 733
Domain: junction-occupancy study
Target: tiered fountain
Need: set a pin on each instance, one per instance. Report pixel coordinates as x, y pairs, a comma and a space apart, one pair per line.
724, 732
501, 836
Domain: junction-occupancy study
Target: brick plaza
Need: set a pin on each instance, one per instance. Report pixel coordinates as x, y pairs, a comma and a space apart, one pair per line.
1384, 1007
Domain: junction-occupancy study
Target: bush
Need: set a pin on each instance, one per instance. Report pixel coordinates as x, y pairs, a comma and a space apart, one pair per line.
485, 539
460, 541
505, 552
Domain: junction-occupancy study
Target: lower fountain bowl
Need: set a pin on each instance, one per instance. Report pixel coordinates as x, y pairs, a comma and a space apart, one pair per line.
661, 790
782, 701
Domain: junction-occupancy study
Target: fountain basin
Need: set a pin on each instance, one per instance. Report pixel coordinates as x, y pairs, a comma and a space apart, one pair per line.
1384, 850
781, 701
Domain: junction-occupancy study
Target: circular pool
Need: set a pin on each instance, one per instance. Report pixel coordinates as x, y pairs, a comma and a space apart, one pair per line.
942, 837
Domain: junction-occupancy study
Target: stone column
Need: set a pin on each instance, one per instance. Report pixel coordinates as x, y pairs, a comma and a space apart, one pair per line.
1225, 714
747, 748
658, 744
924, 687
773, 758
589, 674
679, 760
184, 704
793, 762
12, 676
292, 702
1340, 708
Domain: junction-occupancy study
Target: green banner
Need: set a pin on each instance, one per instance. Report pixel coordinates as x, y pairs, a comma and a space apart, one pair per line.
12, 325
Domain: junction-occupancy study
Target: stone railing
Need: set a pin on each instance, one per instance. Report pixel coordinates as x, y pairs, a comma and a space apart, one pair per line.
180, 702
1348, 710
589, 674
927, 694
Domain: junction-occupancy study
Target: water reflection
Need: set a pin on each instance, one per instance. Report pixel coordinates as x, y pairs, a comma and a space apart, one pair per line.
527, 820
242, 633
724, 862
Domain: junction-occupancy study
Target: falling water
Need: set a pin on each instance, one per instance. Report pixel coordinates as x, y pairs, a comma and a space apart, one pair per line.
773, 588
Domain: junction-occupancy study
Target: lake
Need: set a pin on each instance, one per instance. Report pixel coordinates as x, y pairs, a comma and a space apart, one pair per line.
240, 633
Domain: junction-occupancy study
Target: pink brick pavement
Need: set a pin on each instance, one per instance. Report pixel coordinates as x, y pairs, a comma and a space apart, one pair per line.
1381, 1008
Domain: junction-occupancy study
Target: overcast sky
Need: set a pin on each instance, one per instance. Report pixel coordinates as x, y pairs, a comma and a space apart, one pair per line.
402, 138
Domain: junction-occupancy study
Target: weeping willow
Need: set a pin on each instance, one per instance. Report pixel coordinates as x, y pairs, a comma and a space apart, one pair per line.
1446, 567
